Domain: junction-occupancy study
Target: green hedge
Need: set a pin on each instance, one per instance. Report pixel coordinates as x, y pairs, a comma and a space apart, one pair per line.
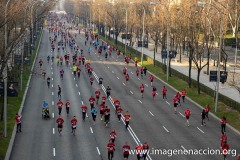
205, 89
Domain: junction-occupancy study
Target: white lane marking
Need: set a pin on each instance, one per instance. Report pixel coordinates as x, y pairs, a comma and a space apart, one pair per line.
146, 85
52, 85
51, 68
52, 79
112, 72
138, 78
53, 130
165, 129
117, 77
72, 72
52, 115
86, 115
52, 93
131, 92
183, 148
76, 85
108, 66
51, 63
52, 72
82, 102
74, 79
79, 93
139, 101
167, 102
151, 113
54, 152
98, 151
156, 93
181, 114
100, 59
52, 103
124, 84
200, 130
132, 72
91, 129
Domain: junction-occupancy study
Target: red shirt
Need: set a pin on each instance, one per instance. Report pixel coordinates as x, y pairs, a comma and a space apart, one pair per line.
97, 92
141, 88
225, 148
107, 111
91, 99
175, 99
110, 147
137, 71
113, 135
164, 90
207, 109
74, 122
187, 112
184, 92
151, 78
139, 149
119, 110
145, 146
59, 104
67, 104
102, 107
84, 108
124, 70
223, 121
126, 149
127, 117
18, 118
127, 77
223, 138
91, 79
104, 98
60, 121
117, 103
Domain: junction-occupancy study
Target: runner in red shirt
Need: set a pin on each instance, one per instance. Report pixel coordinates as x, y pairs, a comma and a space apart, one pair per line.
84, 112
142, 89
106, 115
91, 80
97, 94
142, 71
178, 95
116, 103
184, 92
175, 103
60, 122
137, 72
102, 108
223, 138
124, 70
127, 118
92, 100
223, 124
78, 72
225, 148
207, 110
18, 122
111, 149
67, 107
113, 136
164, 92
40, 63
151, 79
126, 149
59, 104
127, 78
139, 149
74, 124
119, 112
145, 150
104, 99
187, 113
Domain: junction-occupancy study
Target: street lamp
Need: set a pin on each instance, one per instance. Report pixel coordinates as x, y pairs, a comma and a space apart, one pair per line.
202, 4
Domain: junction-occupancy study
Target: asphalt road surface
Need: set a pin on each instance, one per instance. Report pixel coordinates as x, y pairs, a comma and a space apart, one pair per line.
153, 121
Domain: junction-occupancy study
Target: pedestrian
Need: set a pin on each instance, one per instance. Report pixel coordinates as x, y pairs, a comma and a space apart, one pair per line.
203, 114
91, 80
225, 148
59, 104
94, 114
141, 71
59, 92
164, 92
18, 122
223, 124
145, 70
142, 89
106, 115
175, 103
207, 110
145, 150
84, 112
187, 113
111, 149
127, 118
126, 149
60, 122
74, 124
154, 91
223, 138
151, 79
184, 92
113, 136
139, 149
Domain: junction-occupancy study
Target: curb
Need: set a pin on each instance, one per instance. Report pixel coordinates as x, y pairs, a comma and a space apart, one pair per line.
10, 145
198, 105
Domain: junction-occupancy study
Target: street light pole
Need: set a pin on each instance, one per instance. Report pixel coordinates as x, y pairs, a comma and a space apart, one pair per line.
126, 33
32, 23
168, 38
5, 74
142, 35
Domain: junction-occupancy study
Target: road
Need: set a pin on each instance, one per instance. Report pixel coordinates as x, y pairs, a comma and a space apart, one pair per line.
152, 121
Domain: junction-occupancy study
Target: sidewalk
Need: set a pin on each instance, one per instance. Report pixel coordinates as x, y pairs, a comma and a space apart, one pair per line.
225, 89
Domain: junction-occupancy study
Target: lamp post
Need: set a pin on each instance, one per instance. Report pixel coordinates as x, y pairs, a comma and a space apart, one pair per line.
126, 34
202, 4
144, 13
32, 24
5, 74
